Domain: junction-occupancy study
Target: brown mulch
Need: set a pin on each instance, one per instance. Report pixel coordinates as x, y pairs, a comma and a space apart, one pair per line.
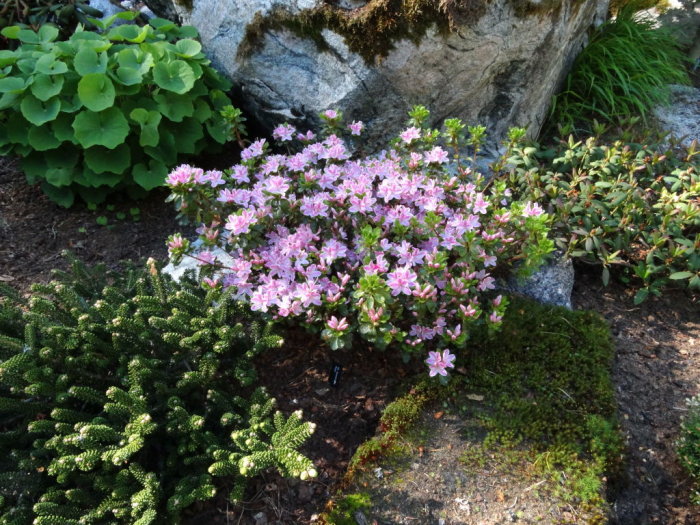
657, 365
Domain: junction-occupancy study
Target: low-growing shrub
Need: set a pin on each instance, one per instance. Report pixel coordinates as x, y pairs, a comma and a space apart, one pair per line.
623, 72
623, 205
64, 14
129, 403
689, 445
107, 111
400, 247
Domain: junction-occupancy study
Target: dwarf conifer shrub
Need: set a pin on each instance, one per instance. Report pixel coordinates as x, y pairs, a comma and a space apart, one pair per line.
109, 111
126, 399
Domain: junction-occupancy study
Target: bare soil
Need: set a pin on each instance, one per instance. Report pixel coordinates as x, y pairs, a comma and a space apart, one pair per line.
656, 368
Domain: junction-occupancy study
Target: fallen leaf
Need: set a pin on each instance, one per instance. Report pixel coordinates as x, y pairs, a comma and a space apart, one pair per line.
438, 415
475, 397
6, 278
500, 497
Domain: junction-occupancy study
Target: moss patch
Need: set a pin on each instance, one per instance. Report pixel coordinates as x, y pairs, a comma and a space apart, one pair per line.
372, 29
534, 416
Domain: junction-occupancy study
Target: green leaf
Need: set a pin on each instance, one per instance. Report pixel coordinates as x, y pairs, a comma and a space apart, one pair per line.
129, 32
61, 196
49, 65
9, 100
175, 76
135, 59
7, 58
11, 32
47, 86
606, 275
641, 296
101, 160
166, 152
38, 111
42, 138
129, 76
99, 180
174, 107
102, 220
96, 91
12, 85
187, 47
148, 120
187, 134
48, 33
17, 129
150, 177
88, 61
107, 128
681, 275
62, 128
27, 36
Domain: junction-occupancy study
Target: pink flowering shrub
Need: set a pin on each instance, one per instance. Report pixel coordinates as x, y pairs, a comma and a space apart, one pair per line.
400, 247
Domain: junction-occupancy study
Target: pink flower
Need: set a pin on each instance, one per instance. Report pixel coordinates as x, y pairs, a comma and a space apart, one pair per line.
402, 280
410, 134
330, 114
436, 155
215, 178
241, 223
239, 173
183, 174
338, 325
532, 210
439, 363
495, 318
284, 132
254, 150
356, 127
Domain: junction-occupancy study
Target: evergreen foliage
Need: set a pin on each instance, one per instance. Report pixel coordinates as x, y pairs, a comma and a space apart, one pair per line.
126, 399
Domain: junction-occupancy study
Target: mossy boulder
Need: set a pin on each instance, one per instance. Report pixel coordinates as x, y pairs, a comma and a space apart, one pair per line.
493, 62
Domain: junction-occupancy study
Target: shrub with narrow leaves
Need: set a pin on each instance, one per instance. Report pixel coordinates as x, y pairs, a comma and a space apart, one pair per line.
688, 445
628, 206
400, 247
129, 403
111, 111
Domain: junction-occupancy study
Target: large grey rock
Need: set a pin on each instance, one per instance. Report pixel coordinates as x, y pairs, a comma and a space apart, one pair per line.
499, 69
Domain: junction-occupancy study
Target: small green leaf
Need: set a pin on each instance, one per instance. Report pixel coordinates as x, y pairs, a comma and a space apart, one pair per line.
606, 275
87, 61
101, 160
48, 33
61, 196
101, 220
46, 86
187, 47
42, 138
681, 275
38, 111
96, 91
48, 64
641, 296
12, 85
107, 128
150, 177
175, 76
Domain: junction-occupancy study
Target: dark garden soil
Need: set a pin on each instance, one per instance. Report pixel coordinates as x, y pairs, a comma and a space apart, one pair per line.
656, 368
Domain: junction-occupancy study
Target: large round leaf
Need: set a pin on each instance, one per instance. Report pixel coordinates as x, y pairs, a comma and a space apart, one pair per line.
107, 128
87, 61
97, 180
101, 160
62, 128
129, 76
96, 91
42, 138
38, 111
135, 59
47, 33
187, 134
150, 177
175, 76
7, 57
61, 196
46, 86
17, 129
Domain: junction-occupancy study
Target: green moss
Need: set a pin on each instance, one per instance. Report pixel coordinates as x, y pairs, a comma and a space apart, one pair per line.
371, 30
342, 511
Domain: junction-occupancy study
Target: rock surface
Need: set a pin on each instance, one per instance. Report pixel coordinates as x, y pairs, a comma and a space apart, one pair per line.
682, 117
499, 69
551, 284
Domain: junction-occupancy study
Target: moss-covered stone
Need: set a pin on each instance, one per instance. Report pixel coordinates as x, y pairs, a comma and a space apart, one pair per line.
372, 30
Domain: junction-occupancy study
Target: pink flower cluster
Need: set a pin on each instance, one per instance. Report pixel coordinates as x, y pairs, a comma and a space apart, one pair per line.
395, 247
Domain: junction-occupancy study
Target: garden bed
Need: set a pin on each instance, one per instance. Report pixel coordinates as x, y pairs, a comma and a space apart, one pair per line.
657, 363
